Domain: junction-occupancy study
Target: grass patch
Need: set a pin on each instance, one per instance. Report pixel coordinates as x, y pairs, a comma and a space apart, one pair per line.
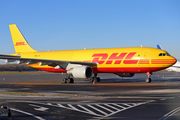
38, 94
21, 93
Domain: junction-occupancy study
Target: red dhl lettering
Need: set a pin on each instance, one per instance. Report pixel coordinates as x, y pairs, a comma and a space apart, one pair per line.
129, 56
20, 43
117, 57
100, 58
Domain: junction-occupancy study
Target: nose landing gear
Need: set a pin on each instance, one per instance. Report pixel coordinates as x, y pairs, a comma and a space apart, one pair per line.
148, 79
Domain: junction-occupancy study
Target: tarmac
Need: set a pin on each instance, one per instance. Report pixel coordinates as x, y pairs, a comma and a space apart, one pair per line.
43, 97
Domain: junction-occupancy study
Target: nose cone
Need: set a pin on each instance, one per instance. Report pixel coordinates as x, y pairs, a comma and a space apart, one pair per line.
173, 60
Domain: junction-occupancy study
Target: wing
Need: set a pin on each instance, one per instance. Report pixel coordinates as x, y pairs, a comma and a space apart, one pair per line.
176, 66
53, 63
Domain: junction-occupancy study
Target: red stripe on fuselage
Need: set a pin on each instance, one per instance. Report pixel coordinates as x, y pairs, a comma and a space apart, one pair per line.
111, 69
144, 61
162, 61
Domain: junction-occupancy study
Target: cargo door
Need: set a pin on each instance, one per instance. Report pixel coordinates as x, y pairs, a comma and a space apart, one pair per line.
144, 61
146, 55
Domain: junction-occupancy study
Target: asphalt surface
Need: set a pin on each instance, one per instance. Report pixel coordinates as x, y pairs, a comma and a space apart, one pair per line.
44, 97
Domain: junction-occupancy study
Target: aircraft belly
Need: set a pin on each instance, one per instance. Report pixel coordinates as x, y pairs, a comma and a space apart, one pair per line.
126, 69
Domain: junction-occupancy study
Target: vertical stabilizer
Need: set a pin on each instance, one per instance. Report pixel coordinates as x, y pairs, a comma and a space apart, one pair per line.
20, 43
159, 47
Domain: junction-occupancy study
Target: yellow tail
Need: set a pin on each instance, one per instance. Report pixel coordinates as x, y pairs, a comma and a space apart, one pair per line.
20, 43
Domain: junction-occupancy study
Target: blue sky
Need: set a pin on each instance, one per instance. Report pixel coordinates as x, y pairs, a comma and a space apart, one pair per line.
78, 24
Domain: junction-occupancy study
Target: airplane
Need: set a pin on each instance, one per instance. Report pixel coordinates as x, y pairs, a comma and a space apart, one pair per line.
175, 67
87, 63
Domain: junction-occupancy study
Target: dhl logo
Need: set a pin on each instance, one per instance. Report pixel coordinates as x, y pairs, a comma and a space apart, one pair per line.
116, 57
20, 43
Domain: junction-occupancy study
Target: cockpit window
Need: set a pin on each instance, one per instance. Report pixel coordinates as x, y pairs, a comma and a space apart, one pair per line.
164, 54
168, 54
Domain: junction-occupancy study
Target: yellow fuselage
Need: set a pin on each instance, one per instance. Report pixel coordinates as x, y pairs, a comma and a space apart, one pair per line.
111, 60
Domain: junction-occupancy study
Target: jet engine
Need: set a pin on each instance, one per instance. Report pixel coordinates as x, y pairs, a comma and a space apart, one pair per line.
125, 74
81, 72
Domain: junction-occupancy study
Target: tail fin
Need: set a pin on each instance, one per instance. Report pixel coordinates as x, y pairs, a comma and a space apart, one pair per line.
20, 43
159, 47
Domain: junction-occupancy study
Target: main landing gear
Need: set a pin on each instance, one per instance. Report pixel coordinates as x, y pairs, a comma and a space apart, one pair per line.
148, 79
68, 79
94, 79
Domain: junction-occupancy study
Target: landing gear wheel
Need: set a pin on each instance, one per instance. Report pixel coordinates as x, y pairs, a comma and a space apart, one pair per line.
71, 80
98, 79
148, 80
91, 80
68, 79
64, 80
94, 79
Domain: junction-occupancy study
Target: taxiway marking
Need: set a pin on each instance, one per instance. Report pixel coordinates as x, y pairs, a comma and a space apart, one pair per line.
97, 109
171, 113
104, 108
91, 112
40, 108
40, 118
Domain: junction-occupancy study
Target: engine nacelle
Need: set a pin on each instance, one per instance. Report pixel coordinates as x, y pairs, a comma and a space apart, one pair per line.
125, 74
81, 72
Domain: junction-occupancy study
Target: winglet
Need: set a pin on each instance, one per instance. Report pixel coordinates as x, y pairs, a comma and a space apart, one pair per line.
20, 43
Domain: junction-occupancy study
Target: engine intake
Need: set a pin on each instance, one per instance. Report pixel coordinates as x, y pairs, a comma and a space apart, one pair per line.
81, 72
